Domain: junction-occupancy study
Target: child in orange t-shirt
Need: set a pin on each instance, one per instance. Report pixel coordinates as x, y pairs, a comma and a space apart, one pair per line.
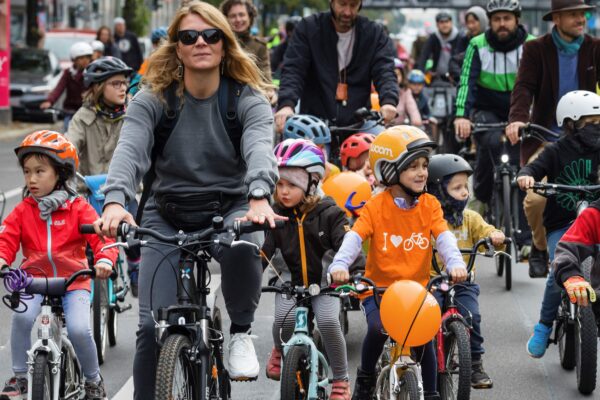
400, 222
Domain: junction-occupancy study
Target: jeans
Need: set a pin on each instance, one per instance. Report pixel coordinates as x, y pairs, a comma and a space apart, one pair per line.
466, 297
241, 276
376, 338
76, 306
552, 292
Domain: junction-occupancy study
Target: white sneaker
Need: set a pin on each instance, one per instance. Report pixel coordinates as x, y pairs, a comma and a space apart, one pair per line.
243, 364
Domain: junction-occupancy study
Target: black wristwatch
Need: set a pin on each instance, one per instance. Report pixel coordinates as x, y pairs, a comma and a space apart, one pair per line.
259, 194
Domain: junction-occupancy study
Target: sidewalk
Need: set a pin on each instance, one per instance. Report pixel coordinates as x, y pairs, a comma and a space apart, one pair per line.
19, 129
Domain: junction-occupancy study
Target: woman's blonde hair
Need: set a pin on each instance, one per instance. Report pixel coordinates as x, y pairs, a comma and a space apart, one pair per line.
94, 94
163, 64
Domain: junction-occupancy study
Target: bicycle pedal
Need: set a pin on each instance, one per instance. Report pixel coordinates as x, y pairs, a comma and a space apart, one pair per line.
120, 309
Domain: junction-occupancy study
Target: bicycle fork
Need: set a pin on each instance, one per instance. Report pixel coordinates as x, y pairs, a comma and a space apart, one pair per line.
402, 360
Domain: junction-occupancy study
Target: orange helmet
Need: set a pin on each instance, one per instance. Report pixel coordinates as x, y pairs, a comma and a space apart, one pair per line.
52, 144
395, 148
349, 190
355, 145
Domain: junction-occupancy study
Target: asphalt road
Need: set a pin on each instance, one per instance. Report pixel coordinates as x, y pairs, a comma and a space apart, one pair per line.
508, 319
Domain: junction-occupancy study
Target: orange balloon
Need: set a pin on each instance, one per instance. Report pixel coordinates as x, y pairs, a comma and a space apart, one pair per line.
403, 302
342, 185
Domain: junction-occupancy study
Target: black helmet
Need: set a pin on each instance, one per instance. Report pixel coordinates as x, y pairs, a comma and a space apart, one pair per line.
103, 68
512, 6
442, 165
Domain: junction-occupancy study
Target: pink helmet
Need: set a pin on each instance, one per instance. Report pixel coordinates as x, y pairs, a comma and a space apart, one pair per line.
301, 153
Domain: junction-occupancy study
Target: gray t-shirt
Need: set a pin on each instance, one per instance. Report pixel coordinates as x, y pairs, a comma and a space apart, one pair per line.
345, 46
199, 156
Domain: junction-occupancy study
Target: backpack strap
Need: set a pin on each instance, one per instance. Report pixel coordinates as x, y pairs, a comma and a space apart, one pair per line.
229, 95
162, 131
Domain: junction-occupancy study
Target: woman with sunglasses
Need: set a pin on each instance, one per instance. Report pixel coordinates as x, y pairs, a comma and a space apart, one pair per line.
197, 163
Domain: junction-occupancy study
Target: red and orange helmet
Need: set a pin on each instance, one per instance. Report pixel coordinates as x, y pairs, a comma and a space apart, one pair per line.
52, 144
355, 145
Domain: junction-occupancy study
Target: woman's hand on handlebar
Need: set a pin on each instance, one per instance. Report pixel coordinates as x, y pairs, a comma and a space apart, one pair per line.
103, 270
525, 182
512, 131
260, 211
281, 116
112, 215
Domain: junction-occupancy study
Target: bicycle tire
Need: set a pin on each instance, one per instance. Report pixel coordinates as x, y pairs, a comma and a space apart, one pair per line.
220, 388
296, 364
409, 386
566, 336
456, 342
507, 223
100, 313
508, 267
586, 343
41, 382
172, 355
71, 380
495, 205
113, 327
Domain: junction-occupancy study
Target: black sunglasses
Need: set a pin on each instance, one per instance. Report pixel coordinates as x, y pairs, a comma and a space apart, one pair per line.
190, 36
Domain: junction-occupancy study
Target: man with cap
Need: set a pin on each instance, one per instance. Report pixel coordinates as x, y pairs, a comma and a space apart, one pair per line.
439, 45
330, 64
128, 44
564, 60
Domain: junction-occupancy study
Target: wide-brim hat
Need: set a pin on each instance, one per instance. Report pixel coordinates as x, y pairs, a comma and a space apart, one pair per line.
566, 5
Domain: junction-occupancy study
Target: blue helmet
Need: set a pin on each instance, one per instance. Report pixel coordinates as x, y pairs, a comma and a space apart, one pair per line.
307, 127
158, 34
416, 76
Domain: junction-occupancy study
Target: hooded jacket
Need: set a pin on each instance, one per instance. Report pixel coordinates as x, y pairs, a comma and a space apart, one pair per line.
310, 69
312, 234
458, 51
433, 48
52, 248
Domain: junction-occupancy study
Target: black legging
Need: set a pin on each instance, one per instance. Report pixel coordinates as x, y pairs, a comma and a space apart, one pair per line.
375, 340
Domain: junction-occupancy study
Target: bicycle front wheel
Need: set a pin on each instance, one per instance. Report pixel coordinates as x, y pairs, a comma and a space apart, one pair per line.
41, 383
175, 371
409, 386
566, 335
507, 225
586, 342
295, 374
455, 383
100, 315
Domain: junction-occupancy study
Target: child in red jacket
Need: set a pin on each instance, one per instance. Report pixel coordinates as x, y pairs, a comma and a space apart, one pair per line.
46, 227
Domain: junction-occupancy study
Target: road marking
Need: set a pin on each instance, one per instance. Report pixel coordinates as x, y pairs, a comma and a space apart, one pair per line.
13, 193
126, 392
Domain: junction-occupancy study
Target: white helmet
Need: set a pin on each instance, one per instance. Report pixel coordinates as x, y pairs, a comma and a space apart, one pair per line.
577, 104
97, 46
80, 49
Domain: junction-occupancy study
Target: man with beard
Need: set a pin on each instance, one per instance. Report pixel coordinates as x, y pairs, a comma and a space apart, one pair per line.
330, 63
487, 80
559, 62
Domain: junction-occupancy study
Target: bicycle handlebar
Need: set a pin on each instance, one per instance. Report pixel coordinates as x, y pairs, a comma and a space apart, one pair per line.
552, 189
530, 130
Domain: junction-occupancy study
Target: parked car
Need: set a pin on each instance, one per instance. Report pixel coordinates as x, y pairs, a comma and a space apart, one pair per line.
59, 42
33, 74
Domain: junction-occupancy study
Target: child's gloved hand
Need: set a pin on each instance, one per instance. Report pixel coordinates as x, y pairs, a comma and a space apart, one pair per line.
578, 288
497, 238
103, 270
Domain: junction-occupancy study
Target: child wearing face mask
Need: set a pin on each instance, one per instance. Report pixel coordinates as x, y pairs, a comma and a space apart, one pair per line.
572, 160
95, 128
448, 182
400, 157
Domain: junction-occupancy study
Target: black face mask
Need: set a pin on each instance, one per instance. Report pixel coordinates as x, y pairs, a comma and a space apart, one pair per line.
589, 136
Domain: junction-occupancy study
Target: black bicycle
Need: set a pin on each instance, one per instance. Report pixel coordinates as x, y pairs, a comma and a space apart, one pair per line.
190, 362
575, 329
504, 205
341, 133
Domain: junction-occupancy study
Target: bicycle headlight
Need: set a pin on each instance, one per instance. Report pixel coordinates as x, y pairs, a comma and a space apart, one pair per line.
504, 158
314, 289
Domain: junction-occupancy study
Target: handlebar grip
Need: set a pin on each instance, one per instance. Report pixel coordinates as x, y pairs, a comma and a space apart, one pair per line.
87, 229
241, 227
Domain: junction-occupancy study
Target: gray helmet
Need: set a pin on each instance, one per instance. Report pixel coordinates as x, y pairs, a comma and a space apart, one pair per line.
103, 68
442, 165
513, 6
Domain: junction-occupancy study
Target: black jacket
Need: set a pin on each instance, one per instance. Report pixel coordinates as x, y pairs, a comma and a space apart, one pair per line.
310, 69
567, 162
324, 229
131, 52
433, 48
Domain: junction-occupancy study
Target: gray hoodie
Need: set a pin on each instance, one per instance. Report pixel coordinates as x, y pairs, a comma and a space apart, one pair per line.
199, 156
481, 16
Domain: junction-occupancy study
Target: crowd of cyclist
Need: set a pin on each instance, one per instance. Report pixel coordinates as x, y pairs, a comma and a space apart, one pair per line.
210, 78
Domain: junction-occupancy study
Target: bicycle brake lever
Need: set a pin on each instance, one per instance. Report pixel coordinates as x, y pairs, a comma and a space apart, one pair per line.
113, 245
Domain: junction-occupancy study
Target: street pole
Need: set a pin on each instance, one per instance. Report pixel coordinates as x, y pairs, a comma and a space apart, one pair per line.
5, 113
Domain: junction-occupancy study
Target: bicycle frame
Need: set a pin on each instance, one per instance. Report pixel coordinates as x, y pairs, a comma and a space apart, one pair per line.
301, 337
400, 360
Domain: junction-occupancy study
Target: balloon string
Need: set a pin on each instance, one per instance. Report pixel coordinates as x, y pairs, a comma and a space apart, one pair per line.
413, 322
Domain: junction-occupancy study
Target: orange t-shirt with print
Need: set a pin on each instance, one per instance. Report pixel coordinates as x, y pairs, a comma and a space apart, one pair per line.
400, 239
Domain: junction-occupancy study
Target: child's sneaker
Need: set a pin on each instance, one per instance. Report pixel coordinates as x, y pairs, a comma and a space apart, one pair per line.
95, 390
479, 378
340, 390
274, 365
14, 389
538, 342
364, 385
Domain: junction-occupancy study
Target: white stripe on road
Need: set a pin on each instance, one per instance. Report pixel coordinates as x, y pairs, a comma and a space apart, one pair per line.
14, 192
126, 392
